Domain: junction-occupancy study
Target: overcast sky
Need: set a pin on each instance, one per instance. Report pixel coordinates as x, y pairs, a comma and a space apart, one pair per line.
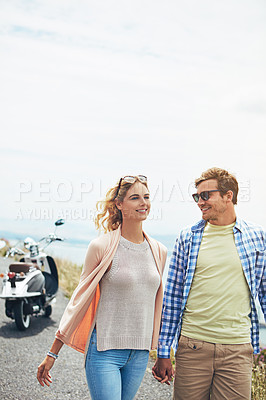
94, 90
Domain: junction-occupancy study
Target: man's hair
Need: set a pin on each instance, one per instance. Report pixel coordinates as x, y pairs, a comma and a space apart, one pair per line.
225, 181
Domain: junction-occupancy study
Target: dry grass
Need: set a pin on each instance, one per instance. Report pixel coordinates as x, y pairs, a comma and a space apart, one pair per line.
69, 274
259, 376
258, 382
4, 249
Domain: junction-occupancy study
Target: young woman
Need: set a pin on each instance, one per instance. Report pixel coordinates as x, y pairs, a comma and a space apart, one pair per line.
114, 314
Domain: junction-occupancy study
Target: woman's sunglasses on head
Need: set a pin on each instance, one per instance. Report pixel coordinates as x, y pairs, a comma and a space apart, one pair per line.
131, 179
203, 195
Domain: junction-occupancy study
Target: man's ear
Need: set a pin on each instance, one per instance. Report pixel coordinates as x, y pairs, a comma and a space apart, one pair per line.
229, 195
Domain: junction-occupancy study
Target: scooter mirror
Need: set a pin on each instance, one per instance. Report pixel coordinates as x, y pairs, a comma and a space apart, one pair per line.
59, 222
2, 244
28, 242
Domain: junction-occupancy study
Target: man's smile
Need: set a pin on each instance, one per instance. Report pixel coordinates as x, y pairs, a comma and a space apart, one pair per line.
205, 209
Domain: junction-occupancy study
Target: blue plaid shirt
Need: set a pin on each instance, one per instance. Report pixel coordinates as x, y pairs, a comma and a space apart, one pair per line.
250, 244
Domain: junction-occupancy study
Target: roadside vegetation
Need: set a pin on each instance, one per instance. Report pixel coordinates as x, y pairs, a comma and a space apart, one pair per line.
259, 376
4, 249
69, 274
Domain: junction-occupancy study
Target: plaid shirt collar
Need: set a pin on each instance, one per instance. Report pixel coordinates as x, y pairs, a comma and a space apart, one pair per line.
200, 225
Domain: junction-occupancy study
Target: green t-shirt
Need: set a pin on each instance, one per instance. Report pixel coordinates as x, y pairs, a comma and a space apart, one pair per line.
218, 304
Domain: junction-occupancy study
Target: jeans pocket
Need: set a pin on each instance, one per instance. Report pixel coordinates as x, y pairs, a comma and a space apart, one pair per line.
93, 345
88, 356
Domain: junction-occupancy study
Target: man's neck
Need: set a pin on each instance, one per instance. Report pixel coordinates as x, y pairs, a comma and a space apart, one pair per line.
224, 220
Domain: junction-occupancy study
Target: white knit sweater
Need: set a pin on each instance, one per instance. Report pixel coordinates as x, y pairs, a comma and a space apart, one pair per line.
126, 307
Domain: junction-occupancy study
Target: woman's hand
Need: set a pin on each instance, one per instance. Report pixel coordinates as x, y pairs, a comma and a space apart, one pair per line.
43, 374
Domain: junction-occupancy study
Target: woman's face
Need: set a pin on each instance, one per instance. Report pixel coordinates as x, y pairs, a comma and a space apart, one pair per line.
136, 204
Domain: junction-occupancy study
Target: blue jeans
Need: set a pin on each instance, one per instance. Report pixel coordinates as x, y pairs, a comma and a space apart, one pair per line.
114, 374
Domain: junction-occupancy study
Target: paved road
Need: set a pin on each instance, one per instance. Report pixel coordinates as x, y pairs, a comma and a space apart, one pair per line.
22, 352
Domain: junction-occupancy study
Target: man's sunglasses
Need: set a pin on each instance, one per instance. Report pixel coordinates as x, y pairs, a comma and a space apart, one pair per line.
130, 179
203, 195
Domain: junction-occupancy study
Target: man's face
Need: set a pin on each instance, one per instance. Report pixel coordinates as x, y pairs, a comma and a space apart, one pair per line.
216, 207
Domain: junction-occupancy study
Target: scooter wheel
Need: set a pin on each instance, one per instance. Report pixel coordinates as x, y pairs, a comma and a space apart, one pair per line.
22, 320
48, 311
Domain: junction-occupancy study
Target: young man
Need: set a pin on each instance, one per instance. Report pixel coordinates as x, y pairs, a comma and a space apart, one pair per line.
215, 274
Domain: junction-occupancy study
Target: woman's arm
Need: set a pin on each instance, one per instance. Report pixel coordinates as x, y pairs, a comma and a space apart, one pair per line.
43, 374
92, 260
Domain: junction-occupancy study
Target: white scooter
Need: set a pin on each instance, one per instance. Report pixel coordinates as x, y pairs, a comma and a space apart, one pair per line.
30, 285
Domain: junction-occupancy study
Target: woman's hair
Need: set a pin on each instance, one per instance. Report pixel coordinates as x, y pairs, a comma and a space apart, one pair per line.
225, 181
108, 216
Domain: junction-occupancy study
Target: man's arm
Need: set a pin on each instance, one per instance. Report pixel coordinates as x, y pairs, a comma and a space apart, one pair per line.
262, 294
173, 296
262, 287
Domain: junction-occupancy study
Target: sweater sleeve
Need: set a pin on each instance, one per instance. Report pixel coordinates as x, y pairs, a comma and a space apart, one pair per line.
81, 296
93, 258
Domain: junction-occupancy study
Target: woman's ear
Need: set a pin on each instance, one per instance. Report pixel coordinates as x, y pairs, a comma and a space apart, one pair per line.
118, 204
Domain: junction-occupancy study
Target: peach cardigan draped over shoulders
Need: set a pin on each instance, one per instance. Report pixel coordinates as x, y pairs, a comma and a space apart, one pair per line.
78, 319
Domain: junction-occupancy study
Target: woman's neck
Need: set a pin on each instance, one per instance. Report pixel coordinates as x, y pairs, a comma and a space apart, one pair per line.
132, 232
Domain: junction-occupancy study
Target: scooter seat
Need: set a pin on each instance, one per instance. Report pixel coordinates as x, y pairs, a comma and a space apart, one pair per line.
20, 267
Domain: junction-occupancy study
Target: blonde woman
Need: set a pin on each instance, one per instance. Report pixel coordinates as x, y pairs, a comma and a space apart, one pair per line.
114, 314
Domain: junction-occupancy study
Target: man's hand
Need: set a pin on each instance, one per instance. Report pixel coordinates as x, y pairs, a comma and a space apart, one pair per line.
163, 370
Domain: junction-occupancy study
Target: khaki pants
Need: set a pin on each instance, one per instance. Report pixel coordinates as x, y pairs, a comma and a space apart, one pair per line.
212, 371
